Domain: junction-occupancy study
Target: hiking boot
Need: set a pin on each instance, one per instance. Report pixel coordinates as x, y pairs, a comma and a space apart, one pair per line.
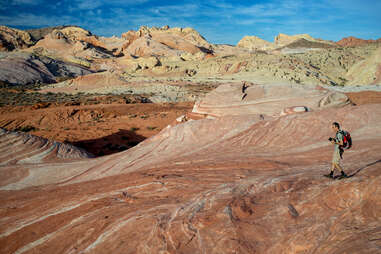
343, 175
330, 175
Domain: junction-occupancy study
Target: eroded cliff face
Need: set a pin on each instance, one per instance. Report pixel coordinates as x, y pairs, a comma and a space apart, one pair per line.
182, 53
11, 39
236, 183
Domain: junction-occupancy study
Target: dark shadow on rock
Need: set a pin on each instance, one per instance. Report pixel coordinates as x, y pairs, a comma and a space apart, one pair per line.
360, 169
114, 143
206, 50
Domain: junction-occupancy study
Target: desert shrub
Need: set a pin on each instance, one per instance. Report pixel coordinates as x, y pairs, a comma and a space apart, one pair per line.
26, 128
134, 129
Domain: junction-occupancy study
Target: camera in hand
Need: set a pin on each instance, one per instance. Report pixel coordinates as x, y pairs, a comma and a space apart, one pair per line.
331, 139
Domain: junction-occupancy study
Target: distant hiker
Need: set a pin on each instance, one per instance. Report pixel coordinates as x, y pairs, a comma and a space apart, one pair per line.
338, 142
184, 119
244, 87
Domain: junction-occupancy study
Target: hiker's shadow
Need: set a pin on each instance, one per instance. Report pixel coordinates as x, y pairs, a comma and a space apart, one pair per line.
360, 169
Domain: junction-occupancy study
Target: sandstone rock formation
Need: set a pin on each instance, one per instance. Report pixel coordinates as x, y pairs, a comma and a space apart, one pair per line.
72, 44
182, 53
233, 184
21, 148
145, 46
284, 39
156, 41
307, 44
11, 39
39, 33
285, 44
265, 100
24, 68
255, 43
352, 41
366, 71
228, 50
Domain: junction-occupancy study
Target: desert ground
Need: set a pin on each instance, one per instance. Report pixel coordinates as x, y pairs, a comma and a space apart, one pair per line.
161, 142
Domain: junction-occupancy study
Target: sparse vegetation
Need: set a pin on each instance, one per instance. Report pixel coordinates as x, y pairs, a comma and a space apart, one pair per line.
133, 129
20, 96
26, 128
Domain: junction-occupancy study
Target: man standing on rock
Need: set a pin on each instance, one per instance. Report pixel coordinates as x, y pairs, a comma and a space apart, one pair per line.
338, 141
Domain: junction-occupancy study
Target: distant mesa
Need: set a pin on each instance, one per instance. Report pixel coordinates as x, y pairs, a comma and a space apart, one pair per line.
284, 41
255, 43
353, 41
303, 43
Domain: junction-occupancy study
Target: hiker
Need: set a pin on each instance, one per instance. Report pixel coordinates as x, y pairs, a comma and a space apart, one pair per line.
244, 87
338, 142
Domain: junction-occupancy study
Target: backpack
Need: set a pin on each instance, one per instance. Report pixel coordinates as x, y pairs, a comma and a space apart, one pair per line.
347, 140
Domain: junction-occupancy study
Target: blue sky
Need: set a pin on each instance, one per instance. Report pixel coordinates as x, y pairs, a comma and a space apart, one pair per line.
217, 21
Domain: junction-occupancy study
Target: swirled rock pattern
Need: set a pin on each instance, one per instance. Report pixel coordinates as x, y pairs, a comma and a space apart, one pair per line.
22, 148
266, 99
235, 184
